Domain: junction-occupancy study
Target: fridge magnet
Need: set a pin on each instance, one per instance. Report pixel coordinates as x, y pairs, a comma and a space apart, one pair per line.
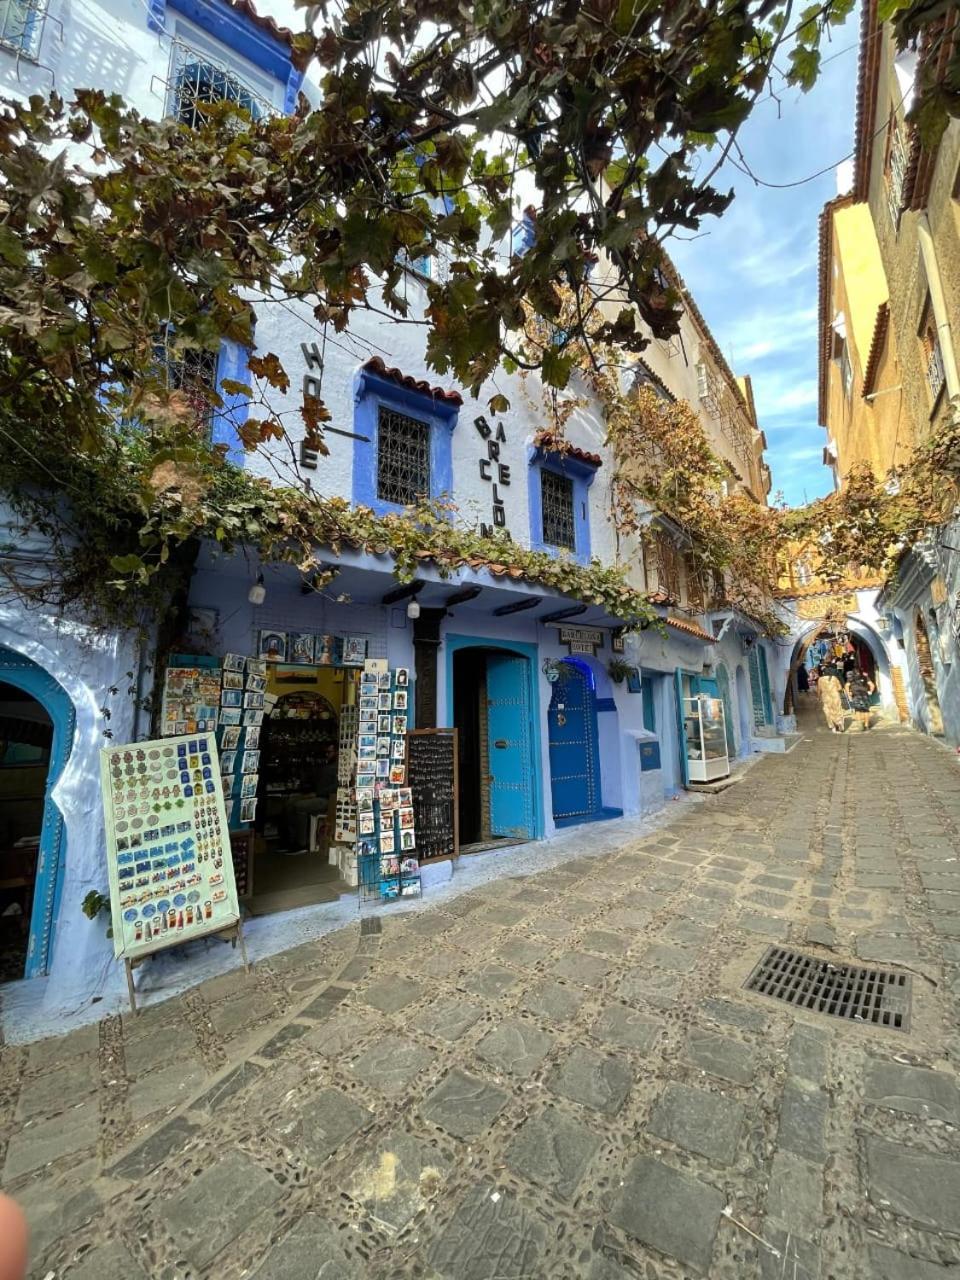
405, 797
232, 680
383, 723
354, 650
387, 843
386, 819
257, 684
383, 747
252, 719
365, 799
228, 716
367, 824
249, 788
390, 866
273, 646
408, 841
398, 750
253, 701
256, 666
301, 648
251, 739
323, 650
384, 680
367, 740
397, 775
232, 697
388, 799
400, 700
248, 810
400, 724
368, 702
402, 677
383, 769
366, 753
228, 761
383, 701
233, 661
251, 761
231, 739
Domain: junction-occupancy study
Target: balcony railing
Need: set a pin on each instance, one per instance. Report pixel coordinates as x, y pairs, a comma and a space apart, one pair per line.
935, 371
198, 80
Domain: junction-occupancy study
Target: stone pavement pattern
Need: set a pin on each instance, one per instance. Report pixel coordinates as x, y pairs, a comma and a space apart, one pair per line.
555, 1076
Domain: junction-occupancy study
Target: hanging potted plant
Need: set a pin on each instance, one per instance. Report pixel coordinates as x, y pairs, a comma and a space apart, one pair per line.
618, 670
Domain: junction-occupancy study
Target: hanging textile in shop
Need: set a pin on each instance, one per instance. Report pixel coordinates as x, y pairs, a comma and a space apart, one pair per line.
432, 776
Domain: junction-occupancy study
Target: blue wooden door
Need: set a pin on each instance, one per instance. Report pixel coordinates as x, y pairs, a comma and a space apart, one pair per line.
574, 746
756, 690
765, 687
508, 747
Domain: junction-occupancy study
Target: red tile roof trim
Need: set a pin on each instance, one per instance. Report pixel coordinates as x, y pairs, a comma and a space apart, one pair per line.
382, 370
876, 348
825, 296
272, 28
690, 629
550, 443
871, 44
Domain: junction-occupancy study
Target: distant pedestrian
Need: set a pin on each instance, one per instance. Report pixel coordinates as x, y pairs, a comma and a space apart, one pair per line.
830, 690
803, 679
859, 690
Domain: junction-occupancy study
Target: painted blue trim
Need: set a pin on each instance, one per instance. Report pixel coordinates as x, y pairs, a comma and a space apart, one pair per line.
583, 475
453, 644
606, 704
239, 33
25, 674
602, 815
231, 364
370, 393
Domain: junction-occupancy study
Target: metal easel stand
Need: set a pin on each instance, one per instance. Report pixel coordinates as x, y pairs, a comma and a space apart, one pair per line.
232, 931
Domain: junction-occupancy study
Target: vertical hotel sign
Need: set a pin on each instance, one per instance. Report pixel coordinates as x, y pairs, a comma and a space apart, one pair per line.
494, 472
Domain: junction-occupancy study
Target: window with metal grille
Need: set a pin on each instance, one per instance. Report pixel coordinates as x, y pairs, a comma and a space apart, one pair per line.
403, 458
932, 355
197, 80
896, 167
193, 372
556, 505
20, 25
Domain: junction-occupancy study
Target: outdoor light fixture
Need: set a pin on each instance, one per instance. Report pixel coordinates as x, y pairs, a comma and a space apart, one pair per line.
413, 611
258, 592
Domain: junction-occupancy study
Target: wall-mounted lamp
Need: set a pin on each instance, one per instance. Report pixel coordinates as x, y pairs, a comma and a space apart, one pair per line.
258, 592
413, 611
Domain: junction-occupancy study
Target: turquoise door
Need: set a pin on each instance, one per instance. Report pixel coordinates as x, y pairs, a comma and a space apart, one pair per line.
27, 675
574, 746
508, 747
765, 687
756, 689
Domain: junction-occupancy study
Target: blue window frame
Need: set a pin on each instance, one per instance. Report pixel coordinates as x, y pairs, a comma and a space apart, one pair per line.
381, 402
548, 529
237, 31
21, 22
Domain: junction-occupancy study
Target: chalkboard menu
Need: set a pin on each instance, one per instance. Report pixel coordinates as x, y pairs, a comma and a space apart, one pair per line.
432, 777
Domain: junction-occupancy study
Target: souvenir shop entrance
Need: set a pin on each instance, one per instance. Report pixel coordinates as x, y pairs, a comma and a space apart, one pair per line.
296, 795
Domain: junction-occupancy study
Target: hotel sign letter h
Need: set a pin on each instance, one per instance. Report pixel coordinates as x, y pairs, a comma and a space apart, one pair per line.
494, 471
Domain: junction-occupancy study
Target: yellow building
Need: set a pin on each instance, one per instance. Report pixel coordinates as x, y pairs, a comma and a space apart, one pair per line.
888, 341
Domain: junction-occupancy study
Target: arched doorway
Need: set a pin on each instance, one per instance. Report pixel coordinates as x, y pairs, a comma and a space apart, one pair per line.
36, 736
574, 745
490, 693
928, 678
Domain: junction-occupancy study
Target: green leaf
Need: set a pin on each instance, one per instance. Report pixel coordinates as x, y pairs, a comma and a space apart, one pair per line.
498, 404
11, 247
556, 367
126, 564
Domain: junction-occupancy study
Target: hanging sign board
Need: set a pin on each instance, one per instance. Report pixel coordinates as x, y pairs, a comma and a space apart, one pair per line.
586, 640
168, 848
432, 775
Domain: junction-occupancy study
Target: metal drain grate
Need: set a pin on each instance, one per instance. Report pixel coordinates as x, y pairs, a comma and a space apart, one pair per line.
876, 996
370, 924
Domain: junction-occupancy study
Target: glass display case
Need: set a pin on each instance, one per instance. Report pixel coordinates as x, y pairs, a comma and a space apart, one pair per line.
705, 739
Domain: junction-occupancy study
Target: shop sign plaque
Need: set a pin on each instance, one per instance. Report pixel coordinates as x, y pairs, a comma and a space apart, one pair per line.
821, 606
584, 640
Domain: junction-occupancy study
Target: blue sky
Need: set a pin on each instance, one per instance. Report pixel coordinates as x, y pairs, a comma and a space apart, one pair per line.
754, 271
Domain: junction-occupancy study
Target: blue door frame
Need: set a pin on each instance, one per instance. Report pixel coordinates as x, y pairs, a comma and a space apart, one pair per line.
531, 712
574, 746
25, 674
698, 684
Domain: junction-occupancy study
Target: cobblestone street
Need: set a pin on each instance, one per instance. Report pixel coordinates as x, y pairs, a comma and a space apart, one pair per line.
559, 1075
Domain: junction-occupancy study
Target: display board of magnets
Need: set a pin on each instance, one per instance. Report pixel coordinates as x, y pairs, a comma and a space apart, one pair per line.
169, 862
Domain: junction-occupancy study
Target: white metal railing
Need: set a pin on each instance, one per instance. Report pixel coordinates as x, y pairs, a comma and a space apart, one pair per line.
898, 173
197, 80
936, 376
21, 23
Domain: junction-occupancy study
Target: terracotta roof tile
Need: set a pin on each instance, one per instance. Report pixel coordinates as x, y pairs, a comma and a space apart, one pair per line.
379, 367
880, 327
548, 441
270, 25
871, 45
690, 629
662, 597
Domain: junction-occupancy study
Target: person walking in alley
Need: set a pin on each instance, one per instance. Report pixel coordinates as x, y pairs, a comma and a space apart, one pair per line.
831, 690
859, 691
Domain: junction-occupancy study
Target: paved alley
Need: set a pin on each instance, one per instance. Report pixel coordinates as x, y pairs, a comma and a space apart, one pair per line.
559, 1075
